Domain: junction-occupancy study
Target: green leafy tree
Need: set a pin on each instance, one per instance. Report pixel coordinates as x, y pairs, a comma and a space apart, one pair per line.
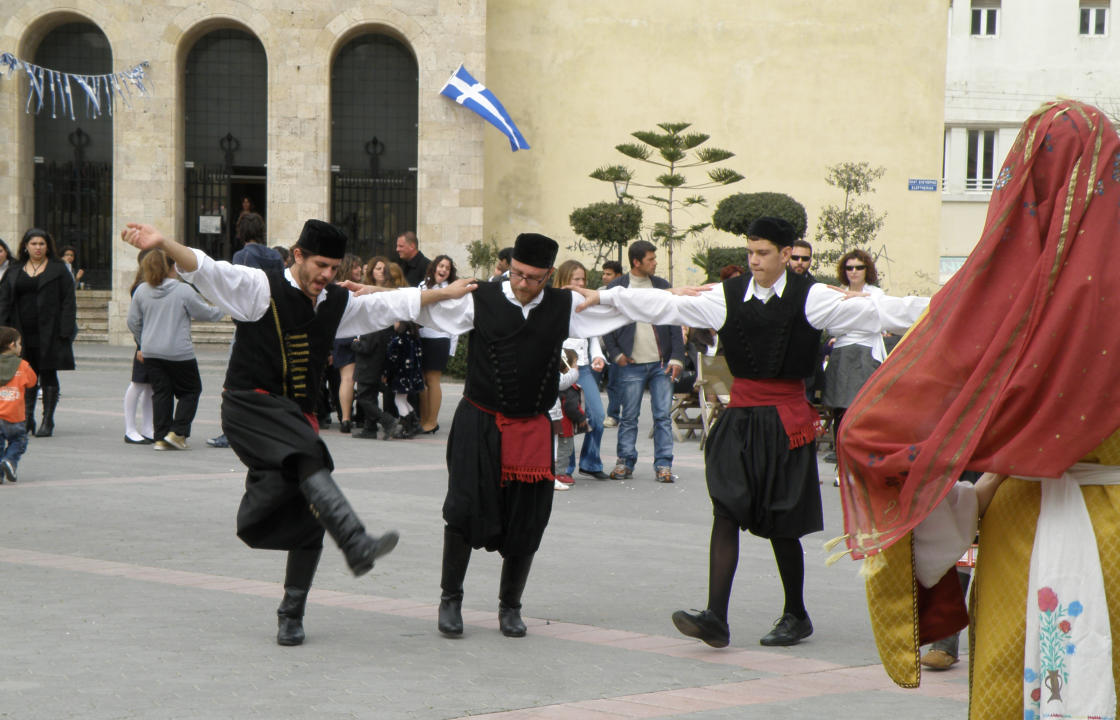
604, 228
735, 213
855, 223
482, 256
671, 151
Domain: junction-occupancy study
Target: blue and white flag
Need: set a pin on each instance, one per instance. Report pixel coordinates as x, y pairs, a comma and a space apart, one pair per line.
465, 90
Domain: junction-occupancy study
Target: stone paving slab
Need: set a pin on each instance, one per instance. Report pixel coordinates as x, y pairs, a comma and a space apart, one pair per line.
127, 595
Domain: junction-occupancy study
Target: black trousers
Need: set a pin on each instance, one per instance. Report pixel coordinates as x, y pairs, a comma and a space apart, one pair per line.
173, 380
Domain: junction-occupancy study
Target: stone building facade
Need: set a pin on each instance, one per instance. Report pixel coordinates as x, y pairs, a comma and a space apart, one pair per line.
789, 87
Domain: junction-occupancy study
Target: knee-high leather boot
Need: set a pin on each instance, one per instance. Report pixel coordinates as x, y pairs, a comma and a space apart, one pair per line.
50, 402
456, 556
30, 394
515, 571
333, 511
297, 583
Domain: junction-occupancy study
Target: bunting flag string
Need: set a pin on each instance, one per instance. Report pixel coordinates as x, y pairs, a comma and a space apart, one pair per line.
100, 91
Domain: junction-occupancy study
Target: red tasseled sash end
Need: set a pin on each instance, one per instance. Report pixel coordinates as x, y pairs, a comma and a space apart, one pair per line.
799, 420
526, 448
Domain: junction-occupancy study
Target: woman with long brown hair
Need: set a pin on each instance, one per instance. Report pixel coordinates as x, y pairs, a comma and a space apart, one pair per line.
437, 348
855, 355
37, 298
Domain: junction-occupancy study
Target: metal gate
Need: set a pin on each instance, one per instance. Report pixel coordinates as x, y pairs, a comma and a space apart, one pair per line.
373, 209
208, 211
74, 203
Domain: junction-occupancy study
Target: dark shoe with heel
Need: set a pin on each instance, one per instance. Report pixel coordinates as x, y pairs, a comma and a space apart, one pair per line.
788, 630
333, 511
703, 625
510, 623
451, 615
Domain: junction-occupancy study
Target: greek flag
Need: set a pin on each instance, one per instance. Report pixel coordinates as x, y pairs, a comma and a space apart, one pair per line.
465, 90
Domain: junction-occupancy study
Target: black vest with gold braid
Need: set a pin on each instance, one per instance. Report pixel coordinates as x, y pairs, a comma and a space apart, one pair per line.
513, 362
772, 339
285, 351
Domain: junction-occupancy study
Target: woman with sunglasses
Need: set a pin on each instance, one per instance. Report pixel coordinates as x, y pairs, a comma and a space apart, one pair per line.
855, 355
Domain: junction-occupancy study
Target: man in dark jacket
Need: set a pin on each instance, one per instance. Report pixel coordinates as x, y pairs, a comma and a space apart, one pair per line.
413, 263
645, 356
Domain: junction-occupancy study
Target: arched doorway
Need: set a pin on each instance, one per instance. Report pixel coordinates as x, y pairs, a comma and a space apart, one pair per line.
74, 158
374, 111
226, 102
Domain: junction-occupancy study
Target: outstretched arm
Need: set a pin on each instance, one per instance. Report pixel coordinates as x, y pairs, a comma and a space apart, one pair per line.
842, 312
371, 309
239, 290
694, 307
144, 237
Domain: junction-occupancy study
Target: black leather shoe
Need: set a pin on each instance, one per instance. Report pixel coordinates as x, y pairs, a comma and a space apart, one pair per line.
451, 615
290, 632
597, 474
703, 625
509, 621
788, 630
345, 426
142, 441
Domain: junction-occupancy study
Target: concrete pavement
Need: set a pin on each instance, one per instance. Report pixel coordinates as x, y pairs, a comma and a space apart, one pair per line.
126, 594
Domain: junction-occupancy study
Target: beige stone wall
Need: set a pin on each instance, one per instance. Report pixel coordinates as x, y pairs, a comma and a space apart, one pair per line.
300, 40
791, 87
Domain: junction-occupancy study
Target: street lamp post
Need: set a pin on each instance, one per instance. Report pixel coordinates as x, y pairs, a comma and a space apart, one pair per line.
620, 187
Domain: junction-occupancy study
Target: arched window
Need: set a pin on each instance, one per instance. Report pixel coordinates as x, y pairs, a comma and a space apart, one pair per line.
374, 109
226, 143
74, 158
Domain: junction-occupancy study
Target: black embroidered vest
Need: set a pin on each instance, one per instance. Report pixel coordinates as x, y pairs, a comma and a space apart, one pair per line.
513, 363
772, 339
286, 350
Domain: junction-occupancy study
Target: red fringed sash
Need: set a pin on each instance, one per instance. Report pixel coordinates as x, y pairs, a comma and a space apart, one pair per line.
788, 396
526, 446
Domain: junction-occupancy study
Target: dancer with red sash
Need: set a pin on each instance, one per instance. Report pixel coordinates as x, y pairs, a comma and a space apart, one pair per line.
499, 451
761, 458
286, 323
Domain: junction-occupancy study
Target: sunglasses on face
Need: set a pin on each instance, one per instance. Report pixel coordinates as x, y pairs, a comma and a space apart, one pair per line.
801, 258
850, 268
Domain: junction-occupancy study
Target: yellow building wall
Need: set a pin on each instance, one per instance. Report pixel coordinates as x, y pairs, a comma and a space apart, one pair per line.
790, 87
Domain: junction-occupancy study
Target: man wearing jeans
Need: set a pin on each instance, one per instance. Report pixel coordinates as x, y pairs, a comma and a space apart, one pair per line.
645, 355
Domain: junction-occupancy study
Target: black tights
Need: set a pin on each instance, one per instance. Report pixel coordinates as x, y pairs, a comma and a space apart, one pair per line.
723, 558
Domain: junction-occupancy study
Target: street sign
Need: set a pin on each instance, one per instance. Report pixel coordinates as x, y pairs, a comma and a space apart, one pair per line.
923, 185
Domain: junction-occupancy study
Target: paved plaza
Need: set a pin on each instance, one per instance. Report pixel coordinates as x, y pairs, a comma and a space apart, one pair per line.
126, 594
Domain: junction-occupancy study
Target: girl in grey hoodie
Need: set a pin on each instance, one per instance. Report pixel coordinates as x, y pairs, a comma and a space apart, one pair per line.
160, 319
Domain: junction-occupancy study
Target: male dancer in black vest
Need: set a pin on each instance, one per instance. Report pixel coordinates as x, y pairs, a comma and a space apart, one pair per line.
499, 451
286, 322
761, 457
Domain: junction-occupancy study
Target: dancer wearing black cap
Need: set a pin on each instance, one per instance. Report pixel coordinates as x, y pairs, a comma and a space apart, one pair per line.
499, 451
286, 322
761, 457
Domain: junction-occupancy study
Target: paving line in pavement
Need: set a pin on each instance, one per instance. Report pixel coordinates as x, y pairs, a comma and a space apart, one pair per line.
788, 678
236, 474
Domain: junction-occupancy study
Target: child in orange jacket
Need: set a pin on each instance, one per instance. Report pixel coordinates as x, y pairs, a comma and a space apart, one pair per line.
16, 376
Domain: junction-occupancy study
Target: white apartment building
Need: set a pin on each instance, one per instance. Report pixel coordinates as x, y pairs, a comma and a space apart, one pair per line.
1004, 59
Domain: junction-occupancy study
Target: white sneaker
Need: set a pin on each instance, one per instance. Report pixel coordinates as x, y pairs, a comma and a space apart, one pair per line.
610, 422
177, 442
557, 485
